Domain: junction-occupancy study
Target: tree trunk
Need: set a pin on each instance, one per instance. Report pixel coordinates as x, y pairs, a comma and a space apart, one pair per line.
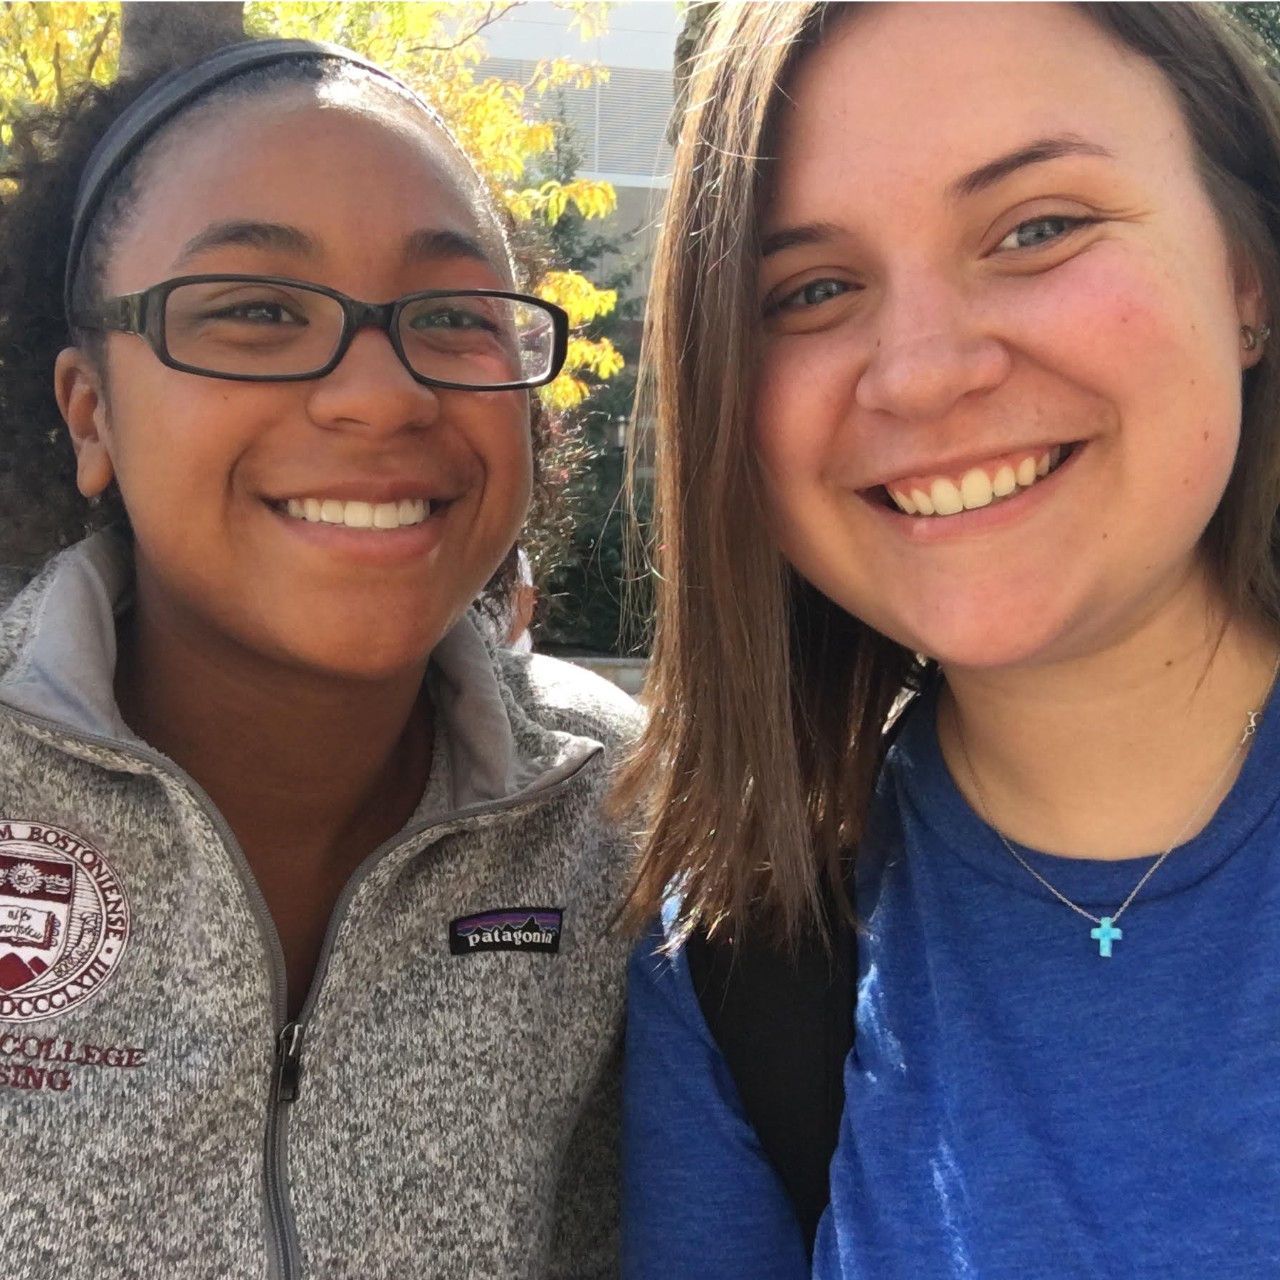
159, 35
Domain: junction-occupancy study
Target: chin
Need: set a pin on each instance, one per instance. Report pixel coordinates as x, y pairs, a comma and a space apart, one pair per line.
357, 652
989, 642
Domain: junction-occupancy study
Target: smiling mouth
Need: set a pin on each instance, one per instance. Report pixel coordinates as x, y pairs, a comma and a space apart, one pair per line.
980, 486
359, 515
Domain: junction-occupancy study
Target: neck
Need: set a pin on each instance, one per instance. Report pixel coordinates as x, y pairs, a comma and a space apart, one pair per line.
306, 768
1116, 754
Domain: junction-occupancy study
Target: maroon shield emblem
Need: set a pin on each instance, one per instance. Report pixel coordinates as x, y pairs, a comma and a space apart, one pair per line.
64, 921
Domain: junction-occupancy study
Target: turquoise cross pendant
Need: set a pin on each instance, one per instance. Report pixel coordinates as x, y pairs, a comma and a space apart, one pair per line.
1106, 933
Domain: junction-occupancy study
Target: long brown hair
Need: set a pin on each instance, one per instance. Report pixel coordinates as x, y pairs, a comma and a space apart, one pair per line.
768, 702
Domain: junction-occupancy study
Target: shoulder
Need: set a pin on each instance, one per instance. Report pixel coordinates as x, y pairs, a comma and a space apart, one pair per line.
21, 592
569, 699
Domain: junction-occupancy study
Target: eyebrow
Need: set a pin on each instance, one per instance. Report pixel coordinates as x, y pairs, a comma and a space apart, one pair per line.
798, 237
1037, 152
969, 184
420, 246
253, 235
431, 246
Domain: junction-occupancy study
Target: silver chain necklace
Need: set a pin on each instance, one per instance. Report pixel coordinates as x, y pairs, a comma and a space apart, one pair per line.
1105, 933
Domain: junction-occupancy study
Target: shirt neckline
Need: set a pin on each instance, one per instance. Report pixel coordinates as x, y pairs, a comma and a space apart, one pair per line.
917, 765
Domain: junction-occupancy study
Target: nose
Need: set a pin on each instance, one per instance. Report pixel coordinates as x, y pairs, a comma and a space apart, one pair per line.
930, 350
371, 390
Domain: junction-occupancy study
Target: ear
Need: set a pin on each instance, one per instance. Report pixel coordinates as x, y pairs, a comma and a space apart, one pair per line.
1251, 309
77, 383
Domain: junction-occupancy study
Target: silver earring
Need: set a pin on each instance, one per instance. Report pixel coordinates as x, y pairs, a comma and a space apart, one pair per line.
1253, 338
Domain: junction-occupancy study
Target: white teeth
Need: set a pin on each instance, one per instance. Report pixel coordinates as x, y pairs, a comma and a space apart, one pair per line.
359, 515
946, 498
975, 489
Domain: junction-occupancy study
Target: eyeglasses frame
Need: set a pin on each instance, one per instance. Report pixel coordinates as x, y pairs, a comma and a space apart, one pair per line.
138, 314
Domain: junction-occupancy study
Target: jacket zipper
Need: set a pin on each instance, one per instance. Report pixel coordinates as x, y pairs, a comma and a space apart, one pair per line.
282, 1243
288, 1078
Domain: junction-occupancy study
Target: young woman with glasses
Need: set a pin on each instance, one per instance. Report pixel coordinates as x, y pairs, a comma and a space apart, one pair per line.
966, 404
304, 967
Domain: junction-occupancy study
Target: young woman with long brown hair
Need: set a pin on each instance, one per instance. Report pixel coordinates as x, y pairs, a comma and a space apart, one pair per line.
968, 412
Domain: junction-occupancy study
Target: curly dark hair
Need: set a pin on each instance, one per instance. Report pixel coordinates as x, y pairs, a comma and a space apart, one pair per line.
41, 509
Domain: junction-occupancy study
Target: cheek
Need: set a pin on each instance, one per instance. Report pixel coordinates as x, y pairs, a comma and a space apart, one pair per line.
1135, 330
802, 396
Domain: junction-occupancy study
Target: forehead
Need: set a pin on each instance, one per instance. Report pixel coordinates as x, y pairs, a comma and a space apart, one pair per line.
914, 96
358, 177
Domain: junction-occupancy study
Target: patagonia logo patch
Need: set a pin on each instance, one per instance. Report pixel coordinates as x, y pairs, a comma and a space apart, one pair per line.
507, 929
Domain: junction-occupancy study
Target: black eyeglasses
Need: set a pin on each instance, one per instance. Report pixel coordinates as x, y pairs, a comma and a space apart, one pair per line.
272, 329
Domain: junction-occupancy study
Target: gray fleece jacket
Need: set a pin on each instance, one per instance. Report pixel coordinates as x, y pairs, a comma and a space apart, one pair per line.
446, 1103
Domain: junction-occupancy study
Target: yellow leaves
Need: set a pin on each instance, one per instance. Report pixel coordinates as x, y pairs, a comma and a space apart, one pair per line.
591, 197
595, 356
565, 393
565, 73
598, 355
47, 48
577, 295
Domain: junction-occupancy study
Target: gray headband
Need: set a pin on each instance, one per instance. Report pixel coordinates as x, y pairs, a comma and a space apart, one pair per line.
168, 96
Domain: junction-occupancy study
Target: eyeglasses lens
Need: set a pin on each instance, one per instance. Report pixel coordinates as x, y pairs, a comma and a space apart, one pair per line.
478, 341
251, 328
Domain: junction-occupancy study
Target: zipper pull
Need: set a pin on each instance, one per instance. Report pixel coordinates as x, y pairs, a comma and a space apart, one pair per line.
289, 1062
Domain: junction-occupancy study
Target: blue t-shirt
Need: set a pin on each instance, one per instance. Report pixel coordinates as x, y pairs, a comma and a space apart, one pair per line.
1017, 1105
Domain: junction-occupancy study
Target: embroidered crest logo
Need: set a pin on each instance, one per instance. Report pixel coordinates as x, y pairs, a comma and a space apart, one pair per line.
64, 921
508, 929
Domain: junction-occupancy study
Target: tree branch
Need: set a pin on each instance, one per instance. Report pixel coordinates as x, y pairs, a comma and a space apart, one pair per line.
33, 80
99, 42
492, 14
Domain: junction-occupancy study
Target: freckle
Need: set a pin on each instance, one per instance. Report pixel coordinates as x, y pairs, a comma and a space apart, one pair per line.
1168, 662
1206, 437
1105, 535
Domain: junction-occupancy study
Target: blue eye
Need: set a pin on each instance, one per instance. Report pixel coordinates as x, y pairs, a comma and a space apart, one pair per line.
818, 291
813, 294
1038, 231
